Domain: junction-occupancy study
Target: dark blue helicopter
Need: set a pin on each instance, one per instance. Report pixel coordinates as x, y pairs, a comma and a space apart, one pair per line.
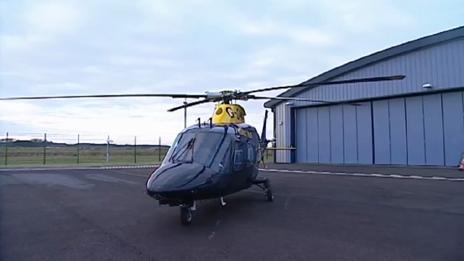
210, 161
217, 158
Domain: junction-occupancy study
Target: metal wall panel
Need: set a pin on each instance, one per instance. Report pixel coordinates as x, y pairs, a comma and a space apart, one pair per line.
336, 134
280, 141
313, 140
324, 134
350, 136
415, 131
332, 134
398, 143
301, 135
420, 130
441, 65
364, 129
453, 123
381, 119
433, 130
282, 132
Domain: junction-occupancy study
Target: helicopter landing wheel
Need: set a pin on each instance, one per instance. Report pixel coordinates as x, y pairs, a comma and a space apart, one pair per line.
265, 185
268, 192
186, 215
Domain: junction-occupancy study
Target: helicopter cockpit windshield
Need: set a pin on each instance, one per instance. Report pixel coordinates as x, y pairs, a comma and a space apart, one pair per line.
201, 147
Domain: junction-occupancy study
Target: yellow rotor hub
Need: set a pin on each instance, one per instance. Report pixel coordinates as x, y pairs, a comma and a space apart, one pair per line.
229, 114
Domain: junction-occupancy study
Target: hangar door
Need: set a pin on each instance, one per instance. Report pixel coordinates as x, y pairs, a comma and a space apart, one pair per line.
334, 134
419, 130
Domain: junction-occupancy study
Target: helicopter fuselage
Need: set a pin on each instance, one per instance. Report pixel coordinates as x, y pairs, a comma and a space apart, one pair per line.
206, 161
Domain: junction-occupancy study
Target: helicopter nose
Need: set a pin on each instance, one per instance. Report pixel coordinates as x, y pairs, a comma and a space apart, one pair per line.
179, 177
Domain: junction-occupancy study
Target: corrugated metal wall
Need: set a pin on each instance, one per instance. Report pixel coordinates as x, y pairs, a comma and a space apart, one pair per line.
282, 132
440, 65
419, 130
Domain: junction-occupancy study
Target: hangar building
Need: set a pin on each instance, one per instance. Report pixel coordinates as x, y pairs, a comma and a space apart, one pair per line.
415, 121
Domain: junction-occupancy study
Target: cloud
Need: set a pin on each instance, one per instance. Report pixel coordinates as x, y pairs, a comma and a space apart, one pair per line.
367, 16
13, 44
312, 37
141, 61
53, 17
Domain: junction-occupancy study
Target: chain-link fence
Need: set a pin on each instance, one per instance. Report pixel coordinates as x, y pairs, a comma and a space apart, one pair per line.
32, 149
59, 149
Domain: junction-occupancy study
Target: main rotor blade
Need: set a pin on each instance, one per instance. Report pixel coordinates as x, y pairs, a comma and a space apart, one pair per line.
301, 99
284, 98
357, 80
185, 105
136, 95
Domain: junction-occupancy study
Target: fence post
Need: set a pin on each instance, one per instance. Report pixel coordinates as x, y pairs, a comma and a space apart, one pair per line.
108, 149
6, 149
45, 149
78, 145
159, 149
135, 149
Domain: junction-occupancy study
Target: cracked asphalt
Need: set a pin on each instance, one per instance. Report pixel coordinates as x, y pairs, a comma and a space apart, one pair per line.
106, 215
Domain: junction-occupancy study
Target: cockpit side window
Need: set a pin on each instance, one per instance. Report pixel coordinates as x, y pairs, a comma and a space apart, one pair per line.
171, 149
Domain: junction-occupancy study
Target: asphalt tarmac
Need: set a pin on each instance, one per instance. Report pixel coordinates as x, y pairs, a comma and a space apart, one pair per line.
106, 215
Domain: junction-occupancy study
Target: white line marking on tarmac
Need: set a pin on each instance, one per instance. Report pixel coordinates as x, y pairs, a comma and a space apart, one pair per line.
137, 175
130, 167
374, 175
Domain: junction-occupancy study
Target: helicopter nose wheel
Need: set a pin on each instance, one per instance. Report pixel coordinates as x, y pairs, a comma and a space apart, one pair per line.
223, 203
186, 214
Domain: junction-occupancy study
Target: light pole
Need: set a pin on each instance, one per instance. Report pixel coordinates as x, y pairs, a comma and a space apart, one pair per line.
108, 141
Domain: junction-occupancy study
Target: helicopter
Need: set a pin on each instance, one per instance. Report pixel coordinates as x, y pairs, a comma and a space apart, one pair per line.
213, 159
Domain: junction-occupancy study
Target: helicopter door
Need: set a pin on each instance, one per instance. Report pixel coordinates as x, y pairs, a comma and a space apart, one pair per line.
241, 163
240, 155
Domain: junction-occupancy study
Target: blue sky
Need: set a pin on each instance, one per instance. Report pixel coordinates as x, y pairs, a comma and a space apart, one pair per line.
92, 47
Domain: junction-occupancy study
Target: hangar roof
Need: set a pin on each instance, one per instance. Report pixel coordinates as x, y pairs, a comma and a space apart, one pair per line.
373, 58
